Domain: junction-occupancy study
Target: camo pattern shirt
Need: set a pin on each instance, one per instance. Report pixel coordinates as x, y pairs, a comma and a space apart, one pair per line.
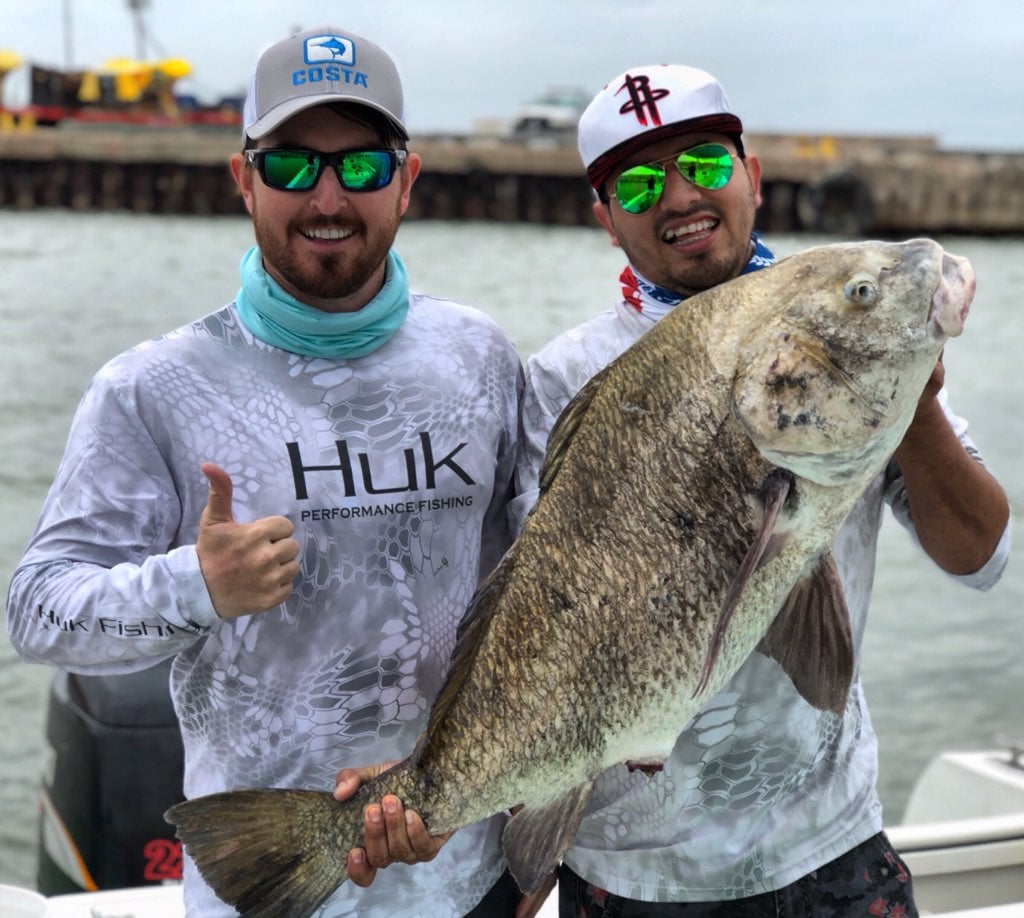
395, 469
761, 788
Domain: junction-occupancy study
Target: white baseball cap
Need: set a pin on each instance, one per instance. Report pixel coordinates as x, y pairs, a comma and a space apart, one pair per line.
645, 104
320, 66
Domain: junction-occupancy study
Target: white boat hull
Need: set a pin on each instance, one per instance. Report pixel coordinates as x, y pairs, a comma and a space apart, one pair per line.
962, 834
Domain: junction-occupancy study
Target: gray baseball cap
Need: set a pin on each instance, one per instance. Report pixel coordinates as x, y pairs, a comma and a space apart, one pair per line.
319, 66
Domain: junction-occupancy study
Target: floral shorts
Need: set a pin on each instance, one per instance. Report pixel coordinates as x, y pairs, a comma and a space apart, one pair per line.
869, 881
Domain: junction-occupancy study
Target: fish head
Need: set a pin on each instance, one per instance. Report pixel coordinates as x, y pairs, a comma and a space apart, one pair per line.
829, 380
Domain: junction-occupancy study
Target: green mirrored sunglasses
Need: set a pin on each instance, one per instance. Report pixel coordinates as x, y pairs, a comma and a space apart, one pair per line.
708, 166
300, 170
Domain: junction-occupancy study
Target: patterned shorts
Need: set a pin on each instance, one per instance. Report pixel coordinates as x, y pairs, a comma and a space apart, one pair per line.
869, 881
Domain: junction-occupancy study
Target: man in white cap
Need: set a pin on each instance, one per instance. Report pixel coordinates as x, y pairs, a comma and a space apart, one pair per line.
766, 806
297, 495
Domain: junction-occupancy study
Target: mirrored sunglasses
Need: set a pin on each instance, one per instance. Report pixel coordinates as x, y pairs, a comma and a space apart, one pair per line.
300, 170
707, 166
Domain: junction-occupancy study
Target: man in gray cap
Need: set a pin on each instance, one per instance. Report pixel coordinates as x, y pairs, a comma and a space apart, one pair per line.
766, 806
279, 495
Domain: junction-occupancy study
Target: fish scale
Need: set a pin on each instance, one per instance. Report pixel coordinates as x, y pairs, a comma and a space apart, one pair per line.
688, 499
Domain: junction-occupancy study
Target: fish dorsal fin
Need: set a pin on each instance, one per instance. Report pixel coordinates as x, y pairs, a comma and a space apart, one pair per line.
536, 837
566, 426
811, 638
775, 490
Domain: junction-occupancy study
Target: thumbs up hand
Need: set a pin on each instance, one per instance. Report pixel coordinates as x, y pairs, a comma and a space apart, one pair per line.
248, 567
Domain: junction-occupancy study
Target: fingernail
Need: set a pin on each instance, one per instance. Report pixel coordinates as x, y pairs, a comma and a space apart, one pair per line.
390, 805
357, 856
374, 814
409, 817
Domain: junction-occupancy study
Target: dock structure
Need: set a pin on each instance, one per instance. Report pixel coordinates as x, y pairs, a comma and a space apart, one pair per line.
839, 184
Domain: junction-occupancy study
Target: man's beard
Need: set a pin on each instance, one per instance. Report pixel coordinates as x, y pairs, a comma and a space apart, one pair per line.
709, 268
331, 275
706, 272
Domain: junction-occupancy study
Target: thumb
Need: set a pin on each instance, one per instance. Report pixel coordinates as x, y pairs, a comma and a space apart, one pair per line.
218, 503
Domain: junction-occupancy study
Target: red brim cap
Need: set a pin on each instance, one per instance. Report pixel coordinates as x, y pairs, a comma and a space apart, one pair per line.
644, 105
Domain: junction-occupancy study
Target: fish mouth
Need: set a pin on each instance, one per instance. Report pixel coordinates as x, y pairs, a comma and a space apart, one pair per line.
953, 295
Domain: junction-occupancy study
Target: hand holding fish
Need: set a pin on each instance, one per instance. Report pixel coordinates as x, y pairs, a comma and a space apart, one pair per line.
390, 832
393, 834
248, 567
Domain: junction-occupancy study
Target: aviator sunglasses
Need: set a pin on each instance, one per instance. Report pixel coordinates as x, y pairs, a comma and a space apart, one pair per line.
707, 166
300, 170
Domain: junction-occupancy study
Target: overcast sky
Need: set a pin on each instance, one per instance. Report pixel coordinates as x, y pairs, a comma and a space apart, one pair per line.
952, 69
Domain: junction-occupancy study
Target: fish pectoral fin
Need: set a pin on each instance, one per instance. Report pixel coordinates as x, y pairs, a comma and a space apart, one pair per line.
766, 544
811, 638
536, 837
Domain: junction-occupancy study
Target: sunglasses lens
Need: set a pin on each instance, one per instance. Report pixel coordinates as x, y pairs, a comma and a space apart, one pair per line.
366, 170
290, 170
639, 188
298, 170
707, 166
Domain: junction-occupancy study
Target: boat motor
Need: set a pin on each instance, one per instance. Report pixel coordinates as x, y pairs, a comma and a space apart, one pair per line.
114, 763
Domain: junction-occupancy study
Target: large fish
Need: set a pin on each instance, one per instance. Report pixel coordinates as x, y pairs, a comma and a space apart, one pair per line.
689, 497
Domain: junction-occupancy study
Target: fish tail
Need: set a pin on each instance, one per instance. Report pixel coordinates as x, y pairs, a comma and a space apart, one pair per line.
269, 852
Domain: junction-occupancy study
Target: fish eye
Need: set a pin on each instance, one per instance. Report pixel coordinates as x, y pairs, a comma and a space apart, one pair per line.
861, 290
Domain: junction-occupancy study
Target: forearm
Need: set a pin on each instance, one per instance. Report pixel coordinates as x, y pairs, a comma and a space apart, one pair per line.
87, 618
958, 509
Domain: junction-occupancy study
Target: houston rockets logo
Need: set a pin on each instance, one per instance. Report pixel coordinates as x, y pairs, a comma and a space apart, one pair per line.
643, 101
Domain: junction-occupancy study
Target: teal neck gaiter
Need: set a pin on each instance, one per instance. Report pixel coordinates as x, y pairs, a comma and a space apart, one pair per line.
276, 317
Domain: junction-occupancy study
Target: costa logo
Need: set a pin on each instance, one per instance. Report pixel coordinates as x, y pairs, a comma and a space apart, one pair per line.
329, 74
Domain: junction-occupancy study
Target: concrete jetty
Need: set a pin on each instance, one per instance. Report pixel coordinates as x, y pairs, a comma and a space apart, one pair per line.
853, 186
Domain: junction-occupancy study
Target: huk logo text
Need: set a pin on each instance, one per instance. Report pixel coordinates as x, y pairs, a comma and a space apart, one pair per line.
422, 468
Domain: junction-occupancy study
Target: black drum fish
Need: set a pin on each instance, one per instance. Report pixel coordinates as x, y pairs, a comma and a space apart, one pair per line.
689, 497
